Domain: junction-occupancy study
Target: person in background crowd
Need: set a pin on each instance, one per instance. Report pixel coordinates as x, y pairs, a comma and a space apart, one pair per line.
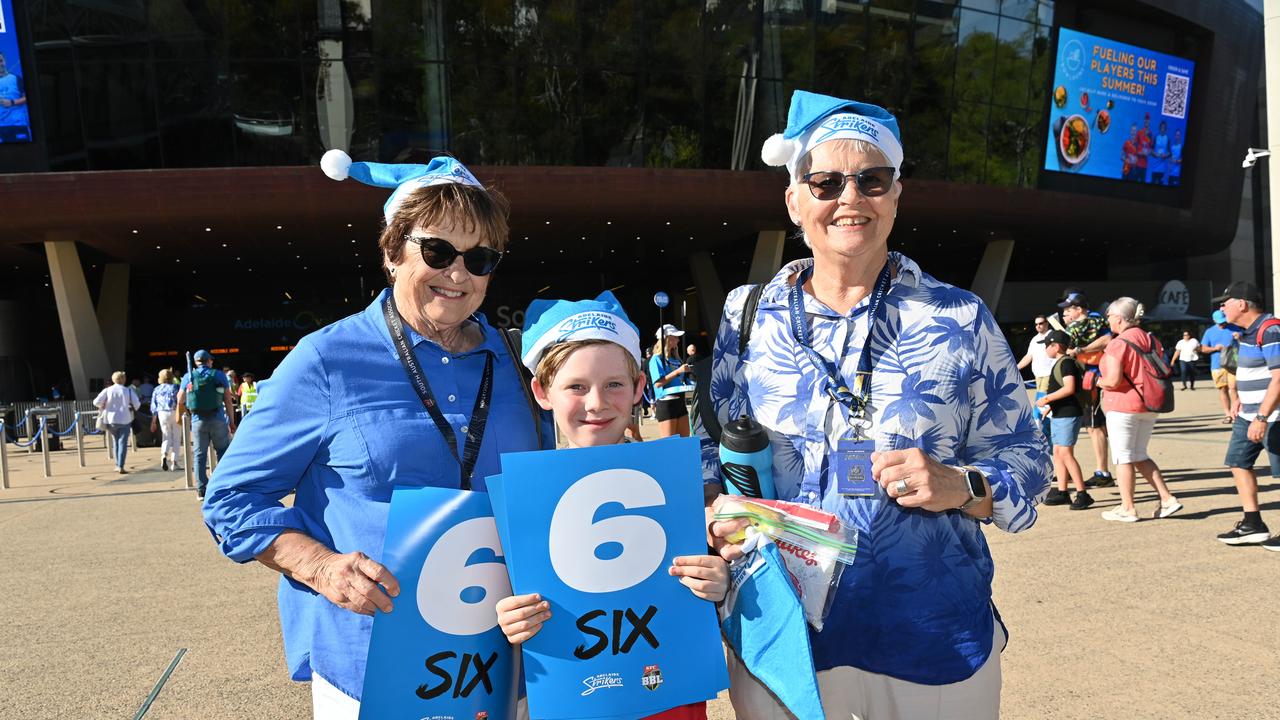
1187, 350
1089, 336
234, 378
1216, 341
212, 414
146, 388
671, 381
164, 404
247, 393
1064, 424
1256, 411
1041, 365
117, 403
1129, 423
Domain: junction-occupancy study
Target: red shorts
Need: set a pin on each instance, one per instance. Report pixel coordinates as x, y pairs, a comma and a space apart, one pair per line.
692, 711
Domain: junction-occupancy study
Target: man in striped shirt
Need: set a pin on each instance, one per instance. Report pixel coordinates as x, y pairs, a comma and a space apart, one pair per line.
1256, 411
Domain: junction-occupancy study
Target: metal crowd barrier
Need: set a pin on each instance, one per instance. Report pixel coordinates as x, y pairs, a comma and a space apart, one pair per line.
4, 448
43, 416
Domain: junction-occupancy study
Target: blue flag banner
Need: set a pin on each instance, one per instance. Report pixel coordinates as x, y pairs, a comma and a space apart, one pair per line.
439, 653
594, 530
764, 624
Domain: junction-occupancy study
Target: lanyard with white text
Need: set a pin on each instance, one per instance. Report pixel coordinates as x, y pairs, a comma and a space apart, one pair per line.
479, 414
858, 399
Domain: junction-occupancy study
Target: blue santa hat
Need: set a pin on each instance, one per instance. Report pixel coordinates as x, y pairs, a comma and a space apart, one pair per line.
404, 177
815, 119
548, 322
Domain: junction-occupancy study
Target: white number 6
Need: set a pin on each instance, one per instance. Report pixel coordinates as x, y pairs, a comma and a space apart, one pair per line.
444, 577
575, 538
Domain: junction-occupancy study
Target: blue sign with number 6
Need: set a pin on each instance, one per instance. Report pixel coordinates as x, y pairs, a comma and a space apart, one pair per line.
439, 653
594, 530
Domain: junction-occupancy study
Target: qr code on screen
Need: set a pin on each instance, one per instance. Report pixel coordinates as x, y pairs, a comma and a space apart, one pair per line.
1175, 95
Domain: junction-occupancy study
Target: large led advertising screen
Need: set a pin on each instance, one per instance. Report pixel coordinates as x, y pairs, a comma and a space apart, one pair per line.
1118, 111
15, 121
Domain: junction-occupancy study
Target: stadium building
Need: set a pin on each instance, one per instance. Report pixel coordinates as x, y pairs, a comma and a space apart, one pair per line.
161, 190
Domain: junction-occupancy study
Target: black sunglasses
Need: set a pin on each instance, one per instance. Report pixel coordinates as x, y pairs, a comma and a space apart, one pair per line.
829, 184
440, 254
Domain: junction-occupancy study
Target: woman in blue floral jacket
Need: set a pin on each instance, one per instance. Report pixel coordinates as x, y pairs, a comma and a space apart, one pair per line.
859, 363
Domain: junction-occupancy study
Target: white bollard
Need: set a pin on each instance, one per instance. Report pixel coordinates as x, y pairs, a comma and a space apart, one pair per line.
44, 447
188, 466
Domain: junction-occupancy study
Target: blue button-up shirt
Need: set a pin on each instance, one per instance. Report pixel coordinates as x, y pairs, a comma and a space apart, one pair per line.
916, 603
340, 425
165, 398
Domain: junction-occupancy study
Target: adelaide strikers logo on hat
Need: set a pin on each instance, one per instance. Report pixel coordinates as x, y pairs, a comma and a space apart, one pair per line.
588, 320
847, 123
652, 677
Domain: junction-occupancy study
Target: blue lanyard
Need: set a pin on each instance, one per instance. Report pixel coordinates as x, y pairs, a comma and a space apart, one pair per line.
858, 399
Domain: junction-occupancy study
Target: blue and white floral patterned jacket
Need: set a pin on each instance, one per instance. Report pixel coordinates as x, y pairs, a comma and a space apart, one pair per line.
916, 603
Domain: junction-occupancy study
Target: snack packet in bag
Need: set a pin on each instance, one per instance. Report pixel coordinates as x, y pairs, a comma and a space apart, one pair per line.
814, 545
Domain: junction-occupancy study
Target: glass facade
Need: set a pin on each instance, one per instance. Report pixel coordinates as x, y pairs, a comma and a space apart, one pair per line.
632, 83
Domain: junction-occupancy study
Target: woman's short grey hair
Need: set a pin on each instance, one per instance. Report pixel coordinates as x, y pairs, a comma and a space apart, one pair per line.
118, 377
1129, 310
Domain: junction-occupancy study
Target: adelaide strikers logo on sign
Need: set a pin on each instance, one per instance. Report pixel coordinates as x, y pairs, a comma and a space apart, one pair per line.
652, 677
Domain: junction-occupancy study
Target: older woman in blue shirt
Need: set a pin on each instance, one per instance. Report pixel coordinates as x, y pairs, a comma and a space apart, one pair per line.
399, 394
892, 400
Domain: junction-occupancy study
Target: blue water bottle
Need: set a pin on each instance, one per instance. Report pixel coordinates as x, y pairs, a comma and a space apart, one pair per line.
746, 459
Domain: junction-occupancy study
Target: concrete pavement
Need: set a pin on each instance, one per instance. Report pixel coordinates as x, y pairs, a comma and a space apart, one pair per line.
108, 576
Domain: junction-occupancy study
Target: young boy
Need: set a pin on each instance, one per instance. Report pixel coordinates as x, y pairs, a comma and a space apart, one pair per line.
1064, 421
585, 359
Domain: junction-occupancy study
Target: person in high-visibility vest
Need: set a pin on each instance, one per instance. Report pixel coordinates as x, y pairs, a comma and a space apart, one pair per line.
248, 394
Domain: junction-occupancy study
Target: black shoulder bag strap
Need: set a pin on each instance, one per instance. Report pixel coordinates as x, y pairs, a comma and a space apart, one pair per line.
511, 337
749, 316
702, 390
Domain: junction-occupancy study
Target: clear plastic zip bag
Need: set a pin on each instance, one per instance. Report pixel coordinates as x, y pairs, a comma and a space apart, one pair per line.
813, 543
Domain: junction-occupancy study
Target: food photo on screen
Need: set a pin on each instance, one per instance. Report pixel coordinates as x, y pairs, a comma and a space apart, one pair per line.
1098, 82
15, 121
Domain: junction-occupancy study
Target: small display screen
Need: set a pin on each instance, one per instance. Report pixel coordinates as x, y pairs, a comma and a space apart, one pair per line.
1117, 111
15, 118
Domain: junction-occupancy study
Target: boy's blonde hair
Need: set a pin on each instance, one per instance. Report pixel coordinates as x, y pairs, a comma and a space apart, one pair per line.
555, 357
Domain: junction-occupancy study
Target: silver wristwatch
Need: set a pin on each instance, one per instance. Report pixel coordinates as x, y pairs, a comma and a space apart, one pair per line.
976, 482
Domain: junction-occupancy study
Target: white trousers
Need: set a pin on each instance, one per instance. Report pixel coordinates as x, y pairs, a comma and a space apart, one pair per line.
170, 435
860, 695
330, 703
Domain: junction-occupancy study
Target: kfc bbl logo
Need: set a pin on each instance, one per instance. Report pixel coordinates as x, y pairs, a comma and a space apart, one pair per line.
652, 677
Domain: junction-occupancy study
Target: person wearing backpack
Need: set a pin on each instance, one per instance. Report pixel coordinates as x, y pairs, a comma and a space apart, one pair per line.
206, 394
1135, 390
1258, 382
1065, 398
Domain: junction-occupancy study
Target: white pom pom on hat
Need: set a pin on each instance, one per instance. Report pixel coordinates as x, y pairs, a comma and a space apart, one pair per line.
777, 150
336, 164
